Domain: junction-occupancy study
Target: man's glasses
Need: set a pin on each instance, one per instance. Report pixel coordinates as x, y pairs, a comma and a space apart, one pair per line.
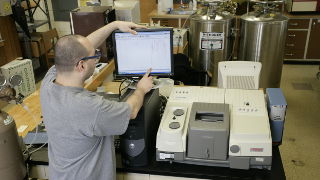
97, 55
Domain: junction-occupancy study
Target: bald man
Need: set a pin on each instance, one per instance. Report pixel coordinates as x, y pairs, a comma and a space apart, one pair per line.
80, 123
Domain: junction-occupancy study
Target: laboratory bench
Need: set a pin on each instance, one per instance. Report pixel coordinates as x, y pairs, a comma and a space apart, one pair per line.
155, 170
38, 161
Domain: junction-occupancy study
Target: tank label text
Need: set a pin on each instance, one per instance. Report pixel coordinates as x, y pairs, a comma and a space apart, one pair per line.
211, 40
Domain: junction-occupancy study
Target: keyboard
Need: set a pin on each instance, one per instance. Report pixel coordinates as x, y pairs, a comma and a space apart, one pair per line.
33, 138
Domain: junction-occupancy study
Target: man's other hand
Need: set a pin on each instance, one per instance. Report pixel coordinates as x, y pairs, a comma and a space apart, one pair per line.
146, 83
128, 26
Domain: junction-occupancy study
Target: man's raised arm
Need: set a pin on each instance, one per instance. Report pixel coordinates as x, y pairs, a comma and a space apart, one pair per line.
99, 36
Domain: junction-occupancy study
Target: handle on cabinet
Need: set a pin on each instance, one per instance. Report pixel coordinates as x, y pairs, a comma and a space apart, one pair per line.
291, 35
289, 54
290, 45
293, 24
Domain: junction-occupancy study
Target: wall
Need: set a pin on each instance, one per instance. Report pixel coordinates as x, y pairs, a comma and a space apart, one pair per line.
63, 27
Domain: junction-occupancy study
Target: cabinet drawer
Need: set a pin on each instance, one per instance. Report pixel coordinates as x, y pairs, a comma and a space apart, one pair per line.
298, 24
296, 39
293, 54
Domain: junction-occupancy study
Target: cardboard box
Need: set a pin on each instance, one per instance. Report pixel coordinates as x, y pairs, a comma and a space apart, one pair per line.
5, 8
127, 11
25, 70
33, 47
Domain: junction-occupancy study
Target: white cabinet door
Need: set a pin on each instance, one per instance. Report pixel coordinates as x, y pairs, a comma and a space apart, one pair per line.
135, 176
156, 177
119, 176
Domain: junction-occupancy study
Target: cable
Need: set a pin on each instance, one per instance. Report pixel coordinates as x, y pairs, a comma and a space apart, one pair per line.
182, 28
178, 44
234, 42
38, 148
188, 19
120, 90
120, 87
130, 82
37, 128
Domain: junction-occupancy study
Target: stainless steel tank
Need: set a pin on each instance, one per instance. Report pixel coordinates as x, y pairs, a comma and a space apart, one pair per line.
262, 39
11, 160
210, 40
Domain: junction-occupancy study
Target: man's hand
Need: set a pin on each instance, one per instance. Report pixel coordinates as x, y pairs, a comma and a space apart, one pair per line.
135, 101
128, 26
146, 83
99, 36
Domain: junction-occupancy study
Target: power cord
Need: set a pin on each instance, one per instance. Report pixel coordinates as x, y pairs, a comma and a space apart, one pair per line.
182, 28
234, 41
120, 90
37, 128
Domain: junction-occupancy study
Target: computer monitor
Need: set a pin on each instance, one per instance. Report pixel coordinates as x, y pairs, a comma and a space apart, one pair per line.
150, 48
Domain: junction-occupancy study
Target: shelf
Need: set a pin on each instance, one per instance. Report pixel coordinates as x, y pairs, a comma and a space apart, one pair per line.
36, 24
31, 6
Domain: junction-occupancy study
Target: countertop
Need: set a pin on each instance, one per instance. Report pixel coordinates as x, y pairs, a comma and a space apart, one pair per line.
207, 172
189, 170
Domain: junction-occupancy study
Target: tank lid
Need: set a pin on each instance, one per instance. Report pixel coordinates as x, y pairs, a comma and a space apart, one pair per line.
203, 16
253, 16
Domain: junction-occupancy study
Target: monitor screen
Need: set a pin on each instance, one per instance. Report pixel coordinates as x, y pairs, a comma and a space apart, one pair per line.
150, 48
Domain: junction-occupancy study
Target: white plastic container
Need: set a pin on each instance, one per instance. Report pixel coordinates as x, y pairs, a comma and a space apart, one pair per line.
165, 6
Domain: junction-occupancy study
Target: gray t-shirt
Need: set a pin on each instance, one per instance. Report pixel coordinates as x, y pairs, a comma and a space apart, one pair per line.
80, 126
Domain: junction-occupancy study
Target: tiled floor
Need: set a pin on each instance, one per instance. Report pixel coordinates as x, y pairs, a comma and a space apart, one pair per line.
300, 149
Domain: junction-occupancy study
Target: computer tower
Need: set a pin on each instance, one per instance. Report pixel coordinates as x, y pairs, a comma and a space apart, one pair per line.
138, 143
85, 20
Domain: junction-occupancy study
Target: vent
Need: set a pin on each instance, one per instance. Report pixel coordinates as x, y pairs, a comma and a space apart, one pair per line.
240, 82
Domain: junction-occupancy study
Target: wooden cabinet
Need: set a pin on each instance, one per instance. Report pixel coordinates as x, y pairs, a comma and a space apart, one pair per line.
146, 6
302, 39
296, 38
177, 23
298, 24
9, 43
169, 20
313, 51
